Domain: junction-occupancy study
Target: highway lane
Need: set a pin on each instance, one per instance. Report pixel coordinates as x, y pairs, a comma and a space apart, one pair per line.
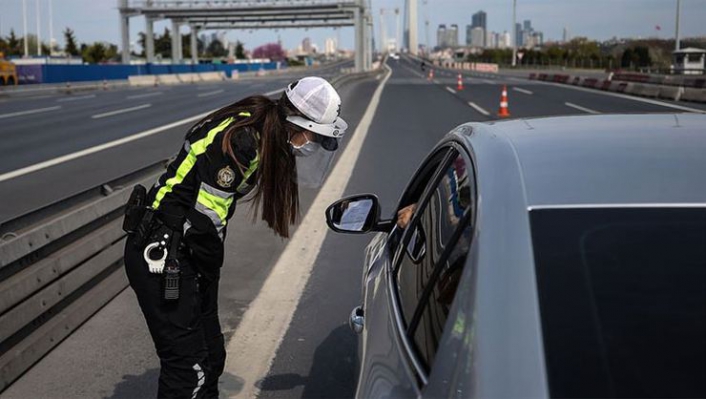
35, 138
111, 356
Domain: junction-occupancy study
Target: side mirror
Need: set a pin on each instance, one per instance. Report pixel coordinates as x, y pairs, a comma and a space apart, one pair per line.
357, 214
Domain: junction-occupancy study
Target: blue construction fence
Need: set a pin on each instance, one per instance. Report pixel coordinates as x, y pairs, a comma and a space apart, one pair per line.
31, 74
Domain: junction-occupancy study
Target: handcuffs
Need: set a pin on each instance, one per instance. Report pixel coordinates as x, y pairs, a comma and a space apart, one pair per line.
156, 265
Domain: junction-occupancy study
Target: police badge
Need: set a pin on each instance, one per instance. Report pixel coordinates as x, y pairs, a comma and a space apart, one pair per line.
225, 177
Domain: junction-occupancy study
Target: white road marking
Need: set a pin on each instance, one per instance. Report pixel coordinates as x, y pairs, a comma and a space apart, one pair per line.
121, 111
580, 108
69, 99
451, 90
522, 90
490, 82
105, 146
478, 108
210, 93
157, 93
252, 348
29, 112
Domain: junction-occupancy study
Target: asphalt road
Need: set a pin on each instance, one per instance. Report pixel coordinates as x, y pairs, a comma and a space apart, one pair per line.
111, 355
44, 126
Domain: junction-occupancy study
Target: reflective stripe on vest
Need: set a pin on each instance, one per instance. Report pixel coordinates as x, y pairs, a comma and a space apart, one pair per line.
194, 150
244, 187
215, 204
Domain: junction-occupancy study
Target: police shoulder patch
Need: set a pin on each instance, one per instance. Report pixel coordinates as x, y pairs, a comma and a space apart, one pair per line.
225, 177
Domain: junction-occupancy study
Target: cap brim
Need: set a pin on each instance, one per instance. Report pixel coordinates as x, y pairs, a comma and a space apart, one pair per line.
336, 129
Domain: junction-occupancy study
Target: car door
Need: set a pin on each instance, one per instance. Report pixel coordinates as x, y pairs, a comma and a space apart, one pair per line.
409, 301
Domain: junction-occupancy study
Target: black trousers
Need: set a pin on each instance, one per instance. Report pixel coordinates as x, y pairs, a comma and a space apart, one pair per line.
187, 332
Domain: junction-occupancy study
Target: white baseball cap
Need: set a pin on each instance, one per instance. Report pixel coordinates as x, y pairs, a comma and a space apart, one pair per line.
320, 103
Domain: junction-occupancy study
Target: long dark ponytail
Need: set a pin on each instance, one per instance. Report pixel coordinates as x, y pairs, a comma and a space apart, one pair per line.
277, 192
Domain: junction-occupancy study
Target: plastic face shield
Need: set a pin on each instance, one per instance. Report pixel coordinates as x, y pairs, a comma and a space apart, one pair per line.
313, 170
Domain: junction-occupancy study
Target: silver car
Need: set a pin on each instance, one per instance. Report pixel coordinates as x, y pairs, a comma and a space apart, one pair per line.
552, 257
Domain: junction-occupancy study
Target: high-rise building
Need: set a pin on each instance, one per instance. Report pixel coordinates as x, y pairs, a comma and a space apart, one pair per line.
468, 34
452, 36
565, 36
527, 25
479, 20
477, 35
518, 35
493, 39
330, 46
306, 45
441, 36
505, 41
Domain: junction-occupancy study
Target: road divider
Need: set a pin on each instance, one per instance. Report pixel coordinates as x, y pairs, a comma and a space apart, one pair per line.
580, 108
522, 91
210, 93
30, 112
157, 93
70, 99
121, 111
478, 108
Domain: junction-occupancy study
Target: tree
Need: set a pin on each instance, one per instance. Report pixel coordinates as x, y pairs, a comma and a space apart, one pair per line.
216, 49
71, 48
273, 51
99, 52
239, 51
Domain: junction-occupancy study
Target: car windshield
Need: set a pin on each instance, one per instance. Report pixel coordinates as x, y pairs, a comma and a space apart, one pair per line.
622, 295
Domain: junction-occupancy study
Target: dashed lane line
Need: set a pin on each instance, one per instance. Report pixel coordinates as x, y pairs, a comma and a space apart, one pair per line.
29, 112
522, 90
88, 151
121, 111
70, 99
157, 93
490, 82
252, 348
451, 90
478, 108
210, 93
580, 108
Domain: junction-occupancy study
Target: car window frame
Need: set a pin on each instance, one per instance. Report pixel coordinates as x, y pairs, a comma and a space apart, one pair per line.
452, 150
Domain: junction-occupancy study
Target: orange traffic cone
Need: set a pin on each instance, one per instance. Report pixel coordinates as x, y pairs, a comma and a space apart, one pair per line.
503, 112
431, 74
459, 86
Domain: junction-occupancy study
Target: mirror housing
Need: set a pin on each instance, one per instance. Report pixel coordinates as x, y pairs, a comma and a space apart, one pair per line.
357, 214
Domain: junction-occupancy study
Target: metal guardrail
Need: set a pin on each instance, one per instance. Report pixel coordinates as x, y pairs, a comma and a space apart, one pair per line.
60, 264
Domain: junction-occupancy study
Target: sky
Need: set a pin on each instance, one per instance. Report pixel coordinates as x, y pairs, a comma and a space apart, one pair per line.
98, 20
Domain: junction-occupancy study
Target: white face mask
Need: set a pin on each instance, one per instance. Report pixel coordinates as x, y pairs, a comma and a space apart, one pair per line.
305, 149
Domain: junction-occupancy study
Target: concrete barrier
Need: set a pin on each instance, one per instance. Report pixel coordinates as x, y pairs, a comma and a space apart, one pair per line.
142, 80
693, 94
670, 92
170, 79
627, 88
649, 90
212, 76
189, 77
576, 81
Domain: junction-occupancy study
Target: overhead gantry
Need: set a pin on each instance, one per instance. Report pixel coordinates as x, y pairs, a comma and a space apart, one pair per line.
247, 15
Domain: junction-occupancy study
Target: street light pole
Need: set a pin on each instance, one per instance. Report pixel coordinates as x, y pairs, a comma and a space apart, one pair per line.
514, 33
24, 26
39, 36
677, 45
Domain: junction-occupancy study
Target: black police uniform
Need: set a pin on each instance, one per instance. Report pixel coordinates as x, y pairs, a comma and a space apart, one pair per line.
196, 196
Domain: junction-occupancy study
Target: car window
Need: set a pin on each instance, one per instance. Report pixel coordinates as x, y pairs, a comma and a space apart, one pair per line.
622, 295
436, 244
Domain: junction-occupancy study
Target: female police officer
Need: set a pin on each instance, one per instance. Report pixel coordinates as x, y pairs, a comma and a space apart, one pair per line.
176, 231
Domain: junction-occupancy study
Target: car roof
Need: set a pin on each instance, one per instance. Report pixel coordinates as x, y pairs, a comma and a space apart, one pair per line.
605, 160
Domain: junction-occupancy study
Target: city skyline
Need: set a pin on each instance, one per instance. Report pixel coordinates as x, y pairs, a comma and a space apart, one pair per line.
98, 20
